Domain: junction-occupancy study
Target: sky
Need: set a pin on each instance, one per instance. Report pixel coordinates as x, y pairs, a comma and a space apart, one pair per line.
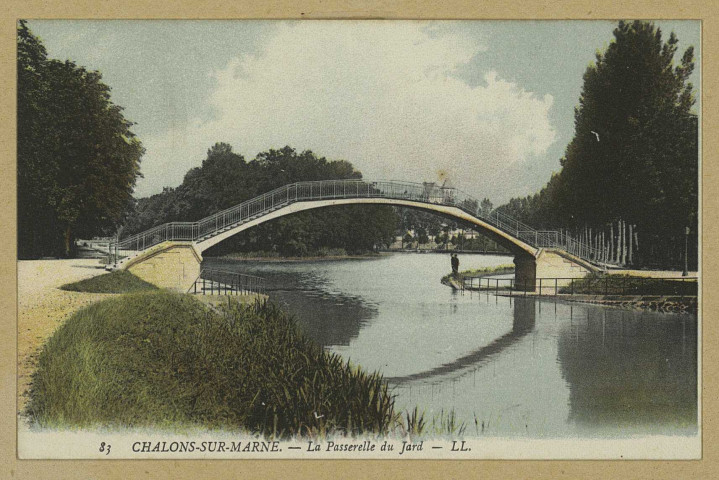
487, 104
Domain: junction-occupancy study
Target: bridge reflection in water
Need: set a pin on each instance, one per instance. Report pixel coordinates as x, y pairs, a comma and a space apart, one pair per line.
520, 366
570, 370
523, 323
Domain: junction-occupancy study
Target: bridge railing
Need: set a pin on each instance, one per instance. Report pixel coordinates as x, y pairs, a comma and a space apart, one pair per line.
213, 281
331, 189
602, 285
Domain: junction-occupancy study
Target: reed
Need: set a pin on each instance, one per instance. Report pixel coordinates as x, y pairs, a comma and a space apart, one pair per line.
159, 359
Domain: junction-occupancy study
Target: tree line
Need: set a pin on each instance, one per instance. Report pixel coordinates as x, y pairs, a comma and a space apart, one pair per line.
78, 162
629, 178
425, 225
77, 156
225, 179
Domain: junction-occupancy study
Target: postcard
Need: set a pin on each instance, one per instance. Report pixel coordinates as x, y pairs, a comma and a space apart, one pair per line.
359, 239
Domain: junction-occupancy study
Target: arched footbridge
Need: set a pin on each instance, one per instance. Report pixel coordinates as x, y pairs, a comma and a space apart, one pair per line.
170, 254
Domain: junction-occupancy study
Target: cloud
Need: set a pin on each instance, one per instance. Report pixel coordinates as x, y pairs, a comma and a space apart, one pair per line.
383, 95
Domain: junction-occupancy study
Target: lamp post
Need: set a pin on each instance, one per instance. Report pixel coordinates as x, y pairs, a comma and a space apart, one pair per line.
686, 249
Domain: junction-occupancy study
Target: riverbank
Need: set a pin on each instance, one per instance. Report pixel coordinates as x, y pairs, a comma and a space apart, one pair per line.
158, 359
43, 307
663, 291
445, 251
277, 258
144, 356
454, 281
658, 303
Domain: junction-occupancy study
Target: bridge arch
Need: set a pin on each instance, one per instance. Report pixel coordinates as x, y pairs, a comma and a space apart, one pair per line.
513, 244
536, 253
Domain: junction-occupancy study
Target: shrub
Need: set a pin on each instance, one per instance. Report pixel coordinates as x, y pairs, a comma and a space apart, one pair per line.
119, 281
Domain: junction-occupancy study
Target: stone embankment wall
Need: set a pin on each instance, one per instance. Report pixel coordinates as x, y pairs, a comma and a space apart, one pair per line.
169, 265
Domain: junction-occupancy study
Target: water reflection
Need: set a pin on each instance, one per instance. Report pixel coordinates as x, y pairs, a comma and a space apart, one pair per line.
523, 323
328, 316
507, 366
630, 370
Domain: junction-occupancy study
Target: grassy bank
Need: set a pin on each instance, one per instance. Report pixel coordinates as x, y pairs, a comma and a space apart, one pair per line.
119, 281
322, 254
165, 360
267, 254
482, 272
631, 285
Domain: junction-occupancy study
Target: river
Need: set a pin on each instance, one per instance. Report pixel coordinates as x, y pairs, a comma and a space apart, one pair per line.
509, 367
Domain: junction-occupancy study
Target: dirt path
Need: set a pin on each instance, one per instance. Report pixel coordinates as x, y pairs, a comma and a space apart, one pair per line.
42, 307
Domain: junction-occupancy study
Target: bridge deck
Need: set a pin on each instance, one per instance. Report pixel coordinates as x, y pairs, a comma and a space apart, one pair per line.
212, 229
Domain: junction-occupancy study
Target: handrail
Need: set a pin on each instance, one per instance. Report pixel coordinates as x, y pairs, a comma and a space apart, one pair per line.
225, 282
428, 193
602, 285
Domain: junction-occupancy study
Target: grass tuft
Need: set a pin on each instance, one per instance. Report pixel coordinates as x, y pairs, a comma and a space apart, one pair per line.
160, 359
119, 281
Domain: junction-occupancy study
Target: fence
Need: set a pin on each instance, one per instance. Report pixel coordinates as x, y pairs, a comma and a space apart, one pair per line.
602, 285
429, 193
221, 282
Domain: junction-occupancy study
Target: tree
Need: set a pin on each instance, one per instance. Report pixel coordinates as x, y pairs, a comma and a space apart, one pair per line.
407, 239
633, 129
634, 155
225, 179
422, 237
78, 160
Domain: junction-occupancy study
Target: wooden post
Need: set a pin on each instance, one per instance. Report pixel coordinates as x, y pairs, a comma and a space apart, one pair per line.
619, 242
631, 238
625, 243
604, 249
611, 242
618, 250
607, 244
617, 245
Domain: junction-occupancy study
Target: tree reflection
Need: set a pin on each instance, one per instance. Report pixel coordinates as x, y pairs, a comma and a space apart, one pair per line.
328, 320
328, 317
629, 370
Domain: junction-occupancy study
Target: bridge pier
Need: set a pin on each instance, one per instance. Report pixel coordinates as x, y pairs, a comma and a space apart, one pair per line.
525, 273
550, 263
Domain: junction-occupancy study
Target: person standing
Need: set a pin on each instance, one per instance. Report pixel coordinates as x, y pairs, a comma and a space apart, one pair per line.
455, 264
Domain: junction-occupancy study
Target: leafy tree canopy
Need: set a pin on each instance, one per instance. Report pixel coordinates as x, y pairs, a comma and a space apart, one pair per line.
226, 179
77, 156
634, 155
